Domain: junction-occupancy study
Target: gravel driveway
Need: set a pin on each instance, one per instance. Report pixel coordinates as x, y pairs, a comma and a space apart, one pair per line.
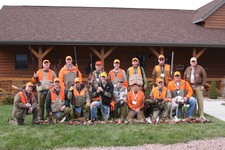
213, 144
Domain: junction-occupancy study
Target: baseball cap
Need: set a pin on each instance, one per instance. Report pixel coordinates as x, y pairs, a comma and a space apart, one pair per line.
193, 59
120, 80
135, 59
177, 73
56, 80
68, 57
116, 61
159, 80
46, 61
98, 63
76, 80
161, 56
29, 84
103, 74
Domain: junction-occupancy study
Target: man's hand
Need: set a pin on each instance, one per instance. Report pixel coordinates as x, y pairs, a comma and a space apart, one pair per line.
202, 87
87, 105
63, 108
71, 89
92, 104
30, 110
137, 110
35, 75
28, 105
99, 89
145, 87
185, 99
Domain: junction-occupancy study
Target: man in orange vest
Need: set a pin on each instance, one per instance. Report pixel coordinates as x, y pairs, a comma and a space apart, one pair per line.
68, 73
44, 81
57, 103
162, 71
136, 74
117, 73
135, 101
102, 97
80, 99
160, 98
179, 87
24, 104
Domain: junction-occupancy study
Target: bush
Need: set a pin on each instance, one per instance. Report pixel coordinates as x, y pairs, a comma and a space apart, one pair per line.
213, 94
6, 100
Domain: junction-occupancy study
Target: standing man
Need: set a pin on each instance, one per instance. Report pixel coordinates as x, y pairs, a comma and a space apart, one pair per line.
135, 101
44, 79
24, 104
94, 78
80, 99
161, 71
136, 74
102, 97
117, 74
196, 76
179, 87
57, 103
120, 96
68, 73
160, 99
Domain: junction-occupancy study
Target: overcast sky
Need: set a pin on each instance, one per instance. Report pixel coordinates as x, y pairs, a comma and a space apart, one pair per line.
164, 4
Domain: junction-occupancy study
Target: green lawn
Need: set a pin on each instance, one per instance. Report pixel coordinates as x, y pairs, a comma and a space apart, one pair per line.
58, 136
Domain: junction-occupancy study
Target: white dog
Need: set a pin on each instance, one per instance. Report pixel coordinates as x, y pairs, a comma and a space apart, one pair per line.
174, 106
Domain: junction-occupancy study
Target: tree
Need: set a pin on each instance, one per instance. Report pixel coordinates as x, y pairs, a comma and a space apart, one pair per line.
213, 94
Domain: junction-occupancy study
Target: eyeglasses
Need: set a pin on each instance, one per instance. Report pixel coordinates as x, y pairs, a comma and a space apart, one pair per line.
160, 82
161, 59
177, 76
193, 61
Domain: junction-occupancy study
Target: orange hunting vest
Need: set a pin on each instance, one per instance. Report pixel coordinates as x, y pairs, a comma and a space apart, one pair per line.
61, 94
166, 72
131, 70
23, 99
119, 76
155, 93
41, 75
82, 92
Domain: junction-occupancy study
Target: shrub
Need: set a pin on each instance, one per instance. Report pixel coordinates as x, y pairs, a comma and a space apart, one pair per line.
6, 100
213, 94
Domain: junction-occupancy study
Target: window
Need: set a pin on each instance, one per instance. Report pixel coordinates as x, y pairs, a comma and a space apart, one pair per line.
21, 61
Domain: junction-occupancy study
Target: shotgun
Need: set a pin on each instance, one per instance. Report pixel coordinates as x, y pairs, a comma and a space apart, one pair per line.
75, 56
171, 69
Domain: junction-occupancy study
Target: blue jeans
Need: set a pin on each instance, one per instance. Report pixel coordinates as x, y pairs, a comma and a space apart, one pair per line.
191, 101
97, 105
78, 110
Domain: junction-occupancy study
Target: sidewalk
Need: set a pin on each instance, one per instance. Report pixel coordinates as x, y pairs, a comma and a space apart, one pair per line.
215, 108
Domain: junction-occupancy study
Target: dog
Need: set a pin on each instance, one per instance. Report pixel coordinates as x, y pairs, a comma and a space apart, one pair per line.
174, 106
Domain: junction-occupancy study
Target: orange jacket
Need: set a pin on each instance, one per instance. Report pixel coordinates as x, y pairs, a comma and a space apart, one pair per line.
139, 100
185, 89
119, 76
61, 94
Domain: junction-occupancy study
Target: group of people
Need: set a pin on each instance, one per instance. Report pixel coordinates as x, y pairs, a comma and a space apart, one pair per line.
116, 94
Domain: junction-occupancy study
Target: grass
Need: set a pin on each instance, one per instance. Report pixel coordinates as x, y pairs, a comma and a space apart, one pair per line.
61, 136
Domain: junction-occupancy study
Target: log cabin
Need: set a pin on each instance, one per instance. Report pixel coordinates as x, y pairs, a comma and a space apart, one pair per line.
108, 33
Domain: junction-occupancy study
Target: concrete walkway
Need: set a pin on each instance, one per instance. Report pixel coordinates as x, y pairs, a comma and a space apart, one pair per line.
215, 108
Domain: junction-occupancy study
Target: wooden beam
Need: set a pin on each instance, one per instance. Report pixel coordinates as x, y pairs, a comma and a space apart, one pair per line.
194, 52
154, 51
47, 51
161, 50
96, 52
109, 52
200, 53
40, 57
102, 57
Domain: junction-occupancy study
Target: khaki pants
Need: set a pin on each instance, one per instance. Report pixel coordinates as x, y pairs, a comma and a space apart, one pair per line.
198, 94
132, 113
41, 104
65, 113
